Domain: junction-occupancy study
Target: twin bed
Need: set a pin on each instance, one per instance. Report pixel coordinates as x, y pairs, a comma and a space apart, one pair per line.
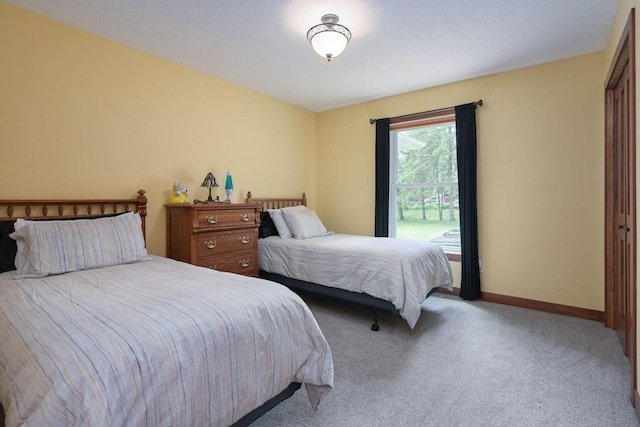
381, 273
95, 331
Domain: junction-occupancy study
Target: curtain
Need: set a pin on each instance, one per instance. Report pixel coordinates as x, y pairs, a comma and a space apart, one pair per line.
382, 178
467, 154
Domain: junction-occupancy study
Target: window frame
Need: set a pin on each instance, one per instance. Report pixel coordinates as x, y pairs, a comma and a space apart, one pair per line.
430, 118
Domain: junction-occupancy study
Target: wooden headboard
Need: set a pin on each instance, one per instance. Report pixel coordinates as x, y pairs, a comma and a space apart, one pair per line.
277, 203
10, 210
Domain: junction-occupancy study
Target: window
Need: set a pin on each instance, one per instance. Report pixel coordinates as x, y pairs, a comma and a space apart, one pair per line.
423, 180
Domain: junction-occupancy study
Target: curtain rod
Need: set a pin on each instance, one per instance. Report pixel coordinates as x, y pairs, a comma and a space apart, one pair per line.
477, 103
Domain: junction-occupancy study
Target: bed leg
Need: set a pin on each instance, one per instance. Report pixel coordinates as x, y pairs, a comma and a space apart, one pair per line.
375, 326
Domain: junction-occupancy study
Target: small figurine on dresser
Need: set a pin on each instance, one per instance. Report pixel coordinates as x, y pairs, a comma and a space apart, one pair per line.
180, 193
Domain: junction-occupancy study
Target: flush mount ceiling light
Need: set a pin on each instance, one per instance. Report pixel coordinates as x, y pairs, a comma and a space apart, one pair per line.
329, 39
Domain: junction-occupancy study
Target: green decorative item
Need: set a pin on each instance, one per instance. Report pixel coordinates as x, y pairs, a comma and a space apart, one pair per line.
228, 186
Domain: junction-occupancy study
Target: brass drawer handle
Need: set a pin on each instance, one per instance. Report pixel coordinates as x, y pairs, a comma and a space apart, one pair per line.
244, 239
246, 217
210, 244
244, 263
212, 219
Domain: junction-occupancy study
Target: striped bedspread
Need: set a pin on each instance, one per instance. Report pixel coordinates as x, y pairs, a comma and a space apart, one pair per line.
399, 271
154, 343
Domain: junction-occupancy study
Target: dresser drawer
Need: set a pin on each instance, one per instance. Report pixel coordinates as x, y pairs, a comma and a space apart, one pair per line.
245, 262
222, 242
225, 218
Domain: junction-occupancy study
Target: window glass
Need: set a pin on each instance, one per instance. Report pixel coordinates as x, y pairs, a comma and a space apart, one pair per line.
424, 183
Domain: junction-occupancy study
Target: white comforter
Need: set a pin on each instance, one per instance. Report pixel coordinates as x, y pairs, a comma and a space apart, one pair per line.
400, 271
155, 343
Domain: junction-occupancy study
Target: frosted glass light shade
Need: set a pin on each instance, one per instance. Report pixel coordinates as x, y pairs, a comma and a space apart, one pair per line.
329, 44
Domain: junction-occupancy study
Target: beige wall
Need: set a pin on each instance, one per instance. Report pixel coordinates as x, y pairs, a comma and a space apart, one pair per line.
540, 175
81, 116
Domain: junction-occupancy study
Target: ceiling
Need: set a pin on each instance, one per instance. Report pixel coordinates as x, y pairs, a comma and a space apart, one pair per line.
396, 47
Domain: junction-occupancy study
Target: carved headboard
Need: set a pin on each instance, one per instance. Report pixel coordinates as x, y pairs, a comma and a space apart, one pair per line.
277, 203
10, 210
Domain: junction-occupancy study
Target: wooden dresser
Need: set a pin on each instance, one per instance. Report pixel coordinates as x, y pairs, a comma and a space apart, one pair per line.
220, 236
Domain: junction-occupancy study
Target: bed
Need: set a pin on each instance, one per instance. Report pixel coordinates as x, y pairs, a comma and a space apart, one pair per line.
386, 274
94, 337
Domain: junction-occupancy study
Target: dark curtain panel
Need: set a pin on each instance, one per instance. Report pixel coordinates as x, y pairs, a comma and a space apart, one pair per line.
382, 178
467, 154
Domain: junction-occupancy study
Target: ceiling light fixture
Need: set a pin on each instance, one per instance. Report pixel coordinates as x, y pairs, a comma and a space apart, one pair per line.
329, 39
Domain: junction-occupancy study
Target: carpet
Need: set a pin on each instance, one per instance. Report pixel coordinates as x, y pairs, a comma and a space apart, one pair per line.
465, 364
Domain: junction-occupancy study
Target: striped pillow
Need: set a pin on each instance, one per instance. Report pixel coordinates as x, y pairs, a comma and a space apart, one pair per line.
55, 247
304, 223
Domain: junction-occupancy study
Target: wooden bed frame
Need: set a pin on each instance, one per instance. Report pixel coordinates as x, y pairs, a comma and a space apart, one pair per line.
41, 209
54, 209
277, 203
373, 303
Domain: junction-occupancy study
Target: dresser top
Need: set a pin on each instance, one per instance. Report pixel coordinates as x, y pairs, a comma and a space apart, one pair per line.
204, 206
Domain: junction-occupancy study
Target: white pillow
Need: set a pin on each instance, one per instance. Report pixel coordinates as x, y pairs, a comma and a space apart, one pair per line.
21, 261
304, 223
280, 223
55, 247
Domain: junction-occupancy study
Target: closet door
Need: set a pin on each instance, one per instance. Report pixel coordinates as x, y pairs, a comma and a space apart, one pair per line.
623, 197
620, 197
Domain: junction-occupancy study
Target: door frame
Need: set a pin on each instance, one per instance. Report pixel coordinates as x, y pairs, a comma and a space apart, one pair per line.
623, 56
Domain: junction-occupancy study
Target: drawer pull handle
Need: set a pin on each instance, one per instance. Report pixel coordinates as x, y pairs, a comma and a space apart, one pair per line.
210, 244
244, 263
213, 267
212, 219
244, 239
246, 217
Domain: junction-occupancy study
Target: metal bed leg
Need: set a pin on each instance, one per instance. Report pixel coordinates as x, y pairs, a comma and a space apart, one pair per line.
375, 326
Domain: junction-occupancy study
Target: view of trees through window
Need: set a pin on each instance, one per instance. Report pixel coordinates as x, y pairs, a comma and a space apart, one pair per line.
424, 180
